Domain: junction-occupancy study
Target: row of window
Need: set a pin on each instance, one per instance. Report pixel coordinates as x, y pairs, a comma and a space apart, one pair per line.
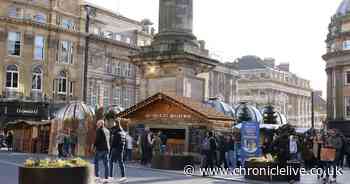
274, 75
111, 35
117, 96
121, 69
18, 12
65, 48
61, 84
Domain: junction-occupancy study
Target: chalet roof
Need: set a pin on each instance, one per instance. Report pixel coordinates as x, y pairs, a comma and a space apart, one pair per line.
188, 103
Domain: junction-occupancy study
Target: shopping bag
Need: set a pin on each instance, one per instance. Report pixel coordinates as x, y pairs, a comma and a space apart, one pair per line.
328, 154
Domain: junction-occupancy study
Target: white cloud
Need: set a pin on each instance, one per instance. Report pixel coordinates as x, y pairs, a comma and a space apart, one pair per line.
290, 31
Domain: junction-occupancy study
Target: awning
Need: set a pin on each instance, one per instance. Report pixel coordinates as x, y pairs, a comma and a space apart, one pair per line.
27, 123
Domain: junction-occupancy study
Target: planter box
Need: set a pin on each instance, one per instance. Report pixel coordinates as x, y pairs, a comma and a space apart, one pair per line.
76, 175
169, 162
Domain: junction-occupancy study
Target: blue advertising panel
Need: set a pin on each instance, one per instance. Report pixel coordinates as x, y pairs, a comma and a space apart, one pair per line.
250, 140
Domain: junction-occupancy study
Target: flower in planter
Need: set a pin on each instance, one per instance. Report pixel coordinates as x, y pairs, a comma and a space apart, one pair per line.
47, 163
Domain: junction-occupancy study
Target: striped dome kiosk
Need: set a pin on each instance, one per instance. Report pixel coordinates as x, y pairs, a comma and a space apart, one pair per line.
75, 120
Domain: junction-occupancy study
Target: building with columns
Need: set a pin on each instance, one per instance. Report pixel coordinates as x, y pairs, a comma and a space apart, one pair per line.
262, 82
338, 69
222, 83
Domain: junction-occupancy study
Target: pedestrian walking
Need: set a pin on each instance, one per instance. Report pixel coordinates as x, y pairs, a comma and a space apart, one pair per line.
205, 151
101, 148
67, 143
157, 143
212, 157
118, 143
221, 160
129, 146
293, 148
9, 140
60, 143
333, 142
164, 139
230, 152
146, 146
73, 142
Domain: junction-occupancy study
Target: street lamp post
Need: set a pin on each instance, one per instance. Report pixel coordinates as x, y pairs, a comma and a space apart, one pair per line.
312, 111
89, 12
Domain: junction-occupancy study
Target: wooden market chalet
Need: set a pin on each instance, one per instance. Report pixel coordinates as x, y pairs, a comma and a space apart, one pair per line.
184, 120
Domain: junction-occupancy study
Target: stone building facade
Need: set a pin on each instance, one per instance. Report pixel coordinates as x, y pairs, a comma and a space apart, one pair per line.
41, 55
338, 65
112, 78
222, 82
261, 83
337, 60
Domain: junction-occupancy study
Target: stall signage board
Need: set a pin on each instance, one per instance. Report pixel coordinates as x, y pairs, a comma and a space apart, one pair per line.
250, 139
171, 116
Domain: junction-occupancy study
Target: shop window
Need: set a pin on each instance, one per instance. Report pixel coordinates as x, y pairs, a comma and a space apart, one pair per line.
37, 77
14, 43
12, 77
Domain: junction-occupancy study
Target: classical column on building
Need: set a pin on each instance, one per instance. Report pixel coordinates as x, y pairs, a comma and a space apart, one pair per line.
339, 90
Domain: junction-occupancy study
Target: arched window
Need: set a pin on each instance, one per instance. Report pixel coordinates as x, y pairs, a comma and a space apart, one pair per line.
62, 83
12, 77
37, 77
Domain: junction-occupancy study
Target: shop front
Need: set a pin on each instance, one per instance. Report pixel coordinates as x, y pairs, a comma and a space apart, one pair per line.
183, 120
12, 111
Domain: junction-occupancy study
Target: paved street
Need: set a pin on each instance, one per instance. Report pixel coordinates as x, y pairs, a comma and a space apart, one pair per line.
139, 175
10, 161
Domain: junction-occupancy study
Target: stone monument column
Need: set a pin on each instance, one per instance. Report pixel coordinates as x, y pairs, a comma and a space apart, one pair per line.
172, 63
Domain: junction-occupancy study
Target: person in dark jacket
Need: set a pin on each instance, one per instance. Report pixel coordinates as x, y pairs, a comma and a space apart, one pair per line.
101, 147
164, 140
9, 140
230, 152
118, 143
212, 150
146, 143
